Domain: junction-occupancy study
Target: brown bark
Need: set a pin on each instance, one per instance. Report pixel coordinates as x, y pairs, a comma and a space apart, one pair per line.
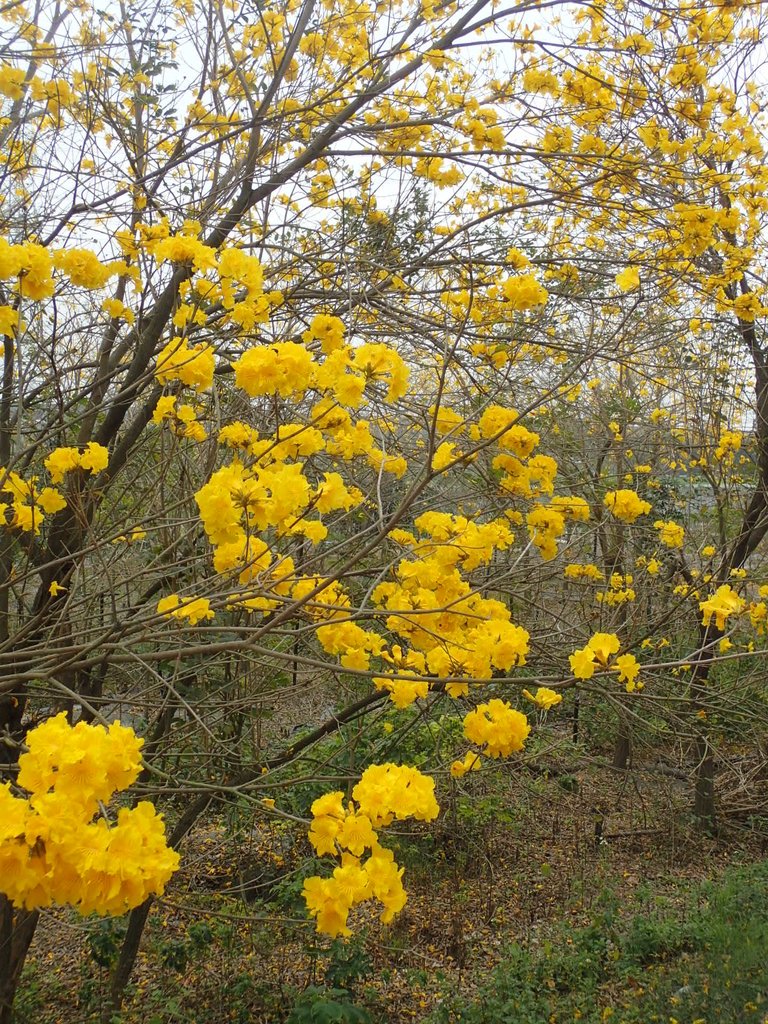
17, 929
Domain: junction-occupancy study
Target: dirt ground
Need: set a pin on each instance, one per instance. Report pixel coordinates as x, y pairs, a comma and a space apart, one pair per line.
542, 848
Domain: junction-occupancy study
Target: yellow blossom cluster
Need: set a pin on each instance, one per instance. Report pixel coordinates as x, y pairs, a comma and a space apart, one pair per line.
353, 644
385, 792
572, 507
328, 330
29, 504
527, 479
544, 698
523, 292
31, 266
457, 540
289, 370
432, 168
447, 420
629, 279
722, 604
454, 630
546, 523
758, 616
234, 282
61, 461
181, 418
728, 444
497, 727
671, 535
626, 505
449, 628
500, 424
240, 502
11, 81
597, 654
84, 268
284, 368
579, 571
117, 310
193, 609
615, 597
620, 591
238, 435
193, 365
51, 848
10, 321
525, 475
402, 690
471, 762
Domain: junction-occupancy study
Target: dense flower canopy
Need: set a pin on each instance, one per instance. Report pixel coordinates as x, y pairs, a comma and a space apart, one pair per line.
334, 357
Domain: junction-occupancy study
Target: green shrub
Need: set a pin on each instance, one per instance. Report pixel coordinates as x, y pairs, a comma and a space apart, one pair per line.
698, 958
318, 1005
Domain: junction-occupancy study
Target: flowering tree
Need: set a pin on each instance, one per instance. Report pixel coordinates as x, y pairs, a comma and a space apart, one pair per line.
299, 306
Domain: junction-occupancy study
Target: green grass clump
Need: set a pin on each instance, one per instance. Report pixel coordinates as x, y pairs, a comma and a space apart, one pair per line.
698, 956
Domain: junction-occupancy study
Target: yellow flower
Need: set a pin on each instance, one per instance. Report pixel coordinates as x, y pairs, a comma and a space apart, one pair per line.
52, 849
9, 321
524, 292
50, 500
165, 408
284, 368
471, 763
583, 663
545, 698
722, 604
572, 507
61, 461
11, 82
193, 609
626, 505
603, 645
193, 365
497, 727
328, 330
356, 834
446, 454
84, 268
628, 279
95, 458
628, 668
671, 534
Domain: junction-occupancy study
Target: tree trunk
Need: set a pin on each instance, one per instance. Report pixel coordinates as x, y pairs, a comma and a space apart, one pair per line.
622, 750
17, 928
704, 790
128, 953
704, 807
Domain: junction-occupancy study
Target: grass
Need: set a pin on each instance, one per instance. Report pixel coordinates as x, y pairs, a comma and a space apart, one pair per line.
696, 957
